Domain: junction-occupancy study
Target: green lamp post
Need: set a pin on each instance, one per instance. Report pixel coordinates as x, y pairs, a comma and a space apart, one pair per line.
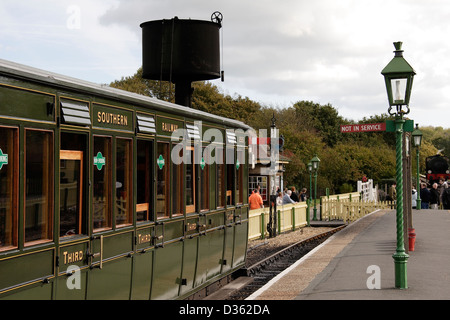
310, 190
315, 167
417, 141
399, 75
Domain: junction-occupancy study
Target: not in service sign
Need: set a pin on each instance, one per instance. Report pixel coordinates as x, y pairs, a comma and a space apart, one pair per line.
369, 127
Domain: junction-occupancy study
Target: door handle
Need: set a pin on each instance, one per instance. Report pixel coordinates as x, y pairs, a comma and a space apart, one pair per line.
160, 237
99, 254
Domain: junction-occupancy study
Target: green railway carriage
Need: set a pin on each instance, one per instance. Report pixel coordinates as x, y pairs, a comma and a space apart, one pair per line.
106, 194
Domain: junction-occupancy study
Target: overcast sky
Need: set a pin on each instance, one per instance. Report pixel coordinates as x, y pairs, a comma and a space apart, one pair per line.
276, 52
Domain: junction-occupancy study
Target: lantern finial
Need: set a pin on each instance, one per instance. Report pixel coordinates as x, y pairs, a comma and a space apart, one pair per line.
398, 49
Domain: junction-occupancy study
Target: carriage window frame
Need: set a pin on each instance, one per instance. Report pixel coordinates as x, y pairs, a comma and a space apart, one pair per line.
107, 189
190, 165
125, 187
230, 175
74, 155
204, 180
144, 181
48, 166
240, 181
164, 173
177, 183
11, 169
220, 177
75, 145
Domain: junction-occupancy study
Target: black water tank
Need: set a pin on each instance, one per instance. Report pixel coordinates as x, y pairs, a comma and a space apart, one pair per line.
180, 50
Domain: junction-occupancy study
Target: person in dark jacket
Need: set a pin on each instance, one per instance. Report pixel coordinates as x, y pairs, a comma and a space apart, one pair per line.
446, 198
424, 196
434, 197
294, 195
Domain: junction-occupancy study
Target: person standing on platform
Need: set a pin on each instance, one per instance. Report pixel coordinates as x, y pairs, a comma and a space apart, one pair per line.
303, 195
425, 196
279, 199
255, 200
393, 192
414, 197
441, 187
446, 197
294, 195
287, 198
434, 197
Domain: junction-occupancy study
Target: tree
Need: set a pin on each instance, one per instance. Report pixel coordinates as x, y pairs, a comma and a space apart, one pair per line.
323, 119
162, 90
439, 137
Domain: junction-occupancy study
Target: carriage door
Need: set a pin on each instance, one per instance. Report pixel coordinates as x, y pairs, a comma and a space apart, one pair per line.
72, 231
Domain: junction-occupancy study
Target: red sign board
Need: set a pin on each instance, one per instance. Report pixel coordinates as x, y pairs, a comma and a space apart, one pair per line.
259, 141
368, 127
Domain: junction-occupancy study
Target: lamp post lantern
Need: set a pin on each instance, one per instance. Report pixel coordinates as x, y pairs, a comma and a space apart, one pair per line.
399, 75
315, 167
417, 141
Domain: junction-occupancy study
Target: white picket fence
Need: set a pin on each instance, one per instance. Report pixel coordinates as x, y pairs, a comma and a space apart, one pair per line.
289, 217
346, 207
367, 191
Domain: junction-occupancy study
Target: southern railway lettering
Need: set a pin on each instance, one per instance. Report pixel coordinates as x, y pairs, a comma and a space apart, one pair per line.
112, 118
169, 127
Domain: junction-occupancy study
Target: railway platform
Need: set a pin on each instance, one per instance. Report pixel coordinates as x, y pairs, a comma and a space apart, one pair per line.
356, 263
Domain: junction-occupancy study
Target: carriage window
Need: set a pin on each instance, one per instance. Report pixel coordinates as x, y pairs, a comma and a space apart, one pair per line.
72, 186
220, 161
177, 186
240, 167
162, 181
70, 192
8, 187
240, 161
124, 194
204, 182
190, 181
144, 180
231, 187
102, 183
38, 185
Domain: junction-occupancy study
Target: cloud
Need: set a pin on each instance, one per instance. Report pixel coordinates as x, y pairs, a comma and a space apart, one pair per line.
67, 38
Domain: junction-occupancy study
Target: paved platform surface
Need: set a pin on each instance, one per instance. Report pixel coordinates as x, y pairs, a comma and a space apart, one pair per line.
355, 258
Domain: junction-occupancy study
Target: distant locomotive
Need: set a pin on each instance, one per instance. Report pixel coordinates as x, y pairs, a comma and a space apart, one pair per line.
437, 168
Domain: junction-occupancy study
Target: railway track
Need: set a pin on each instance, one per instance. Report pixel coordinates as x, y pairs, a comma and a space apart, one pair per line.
266, 269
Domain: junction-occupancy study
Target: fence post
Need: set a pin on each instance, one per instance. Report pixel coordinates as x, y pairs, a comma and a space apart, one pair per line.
279, 221
340, 206
320, 209
293, 218
307, 211
263, 225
